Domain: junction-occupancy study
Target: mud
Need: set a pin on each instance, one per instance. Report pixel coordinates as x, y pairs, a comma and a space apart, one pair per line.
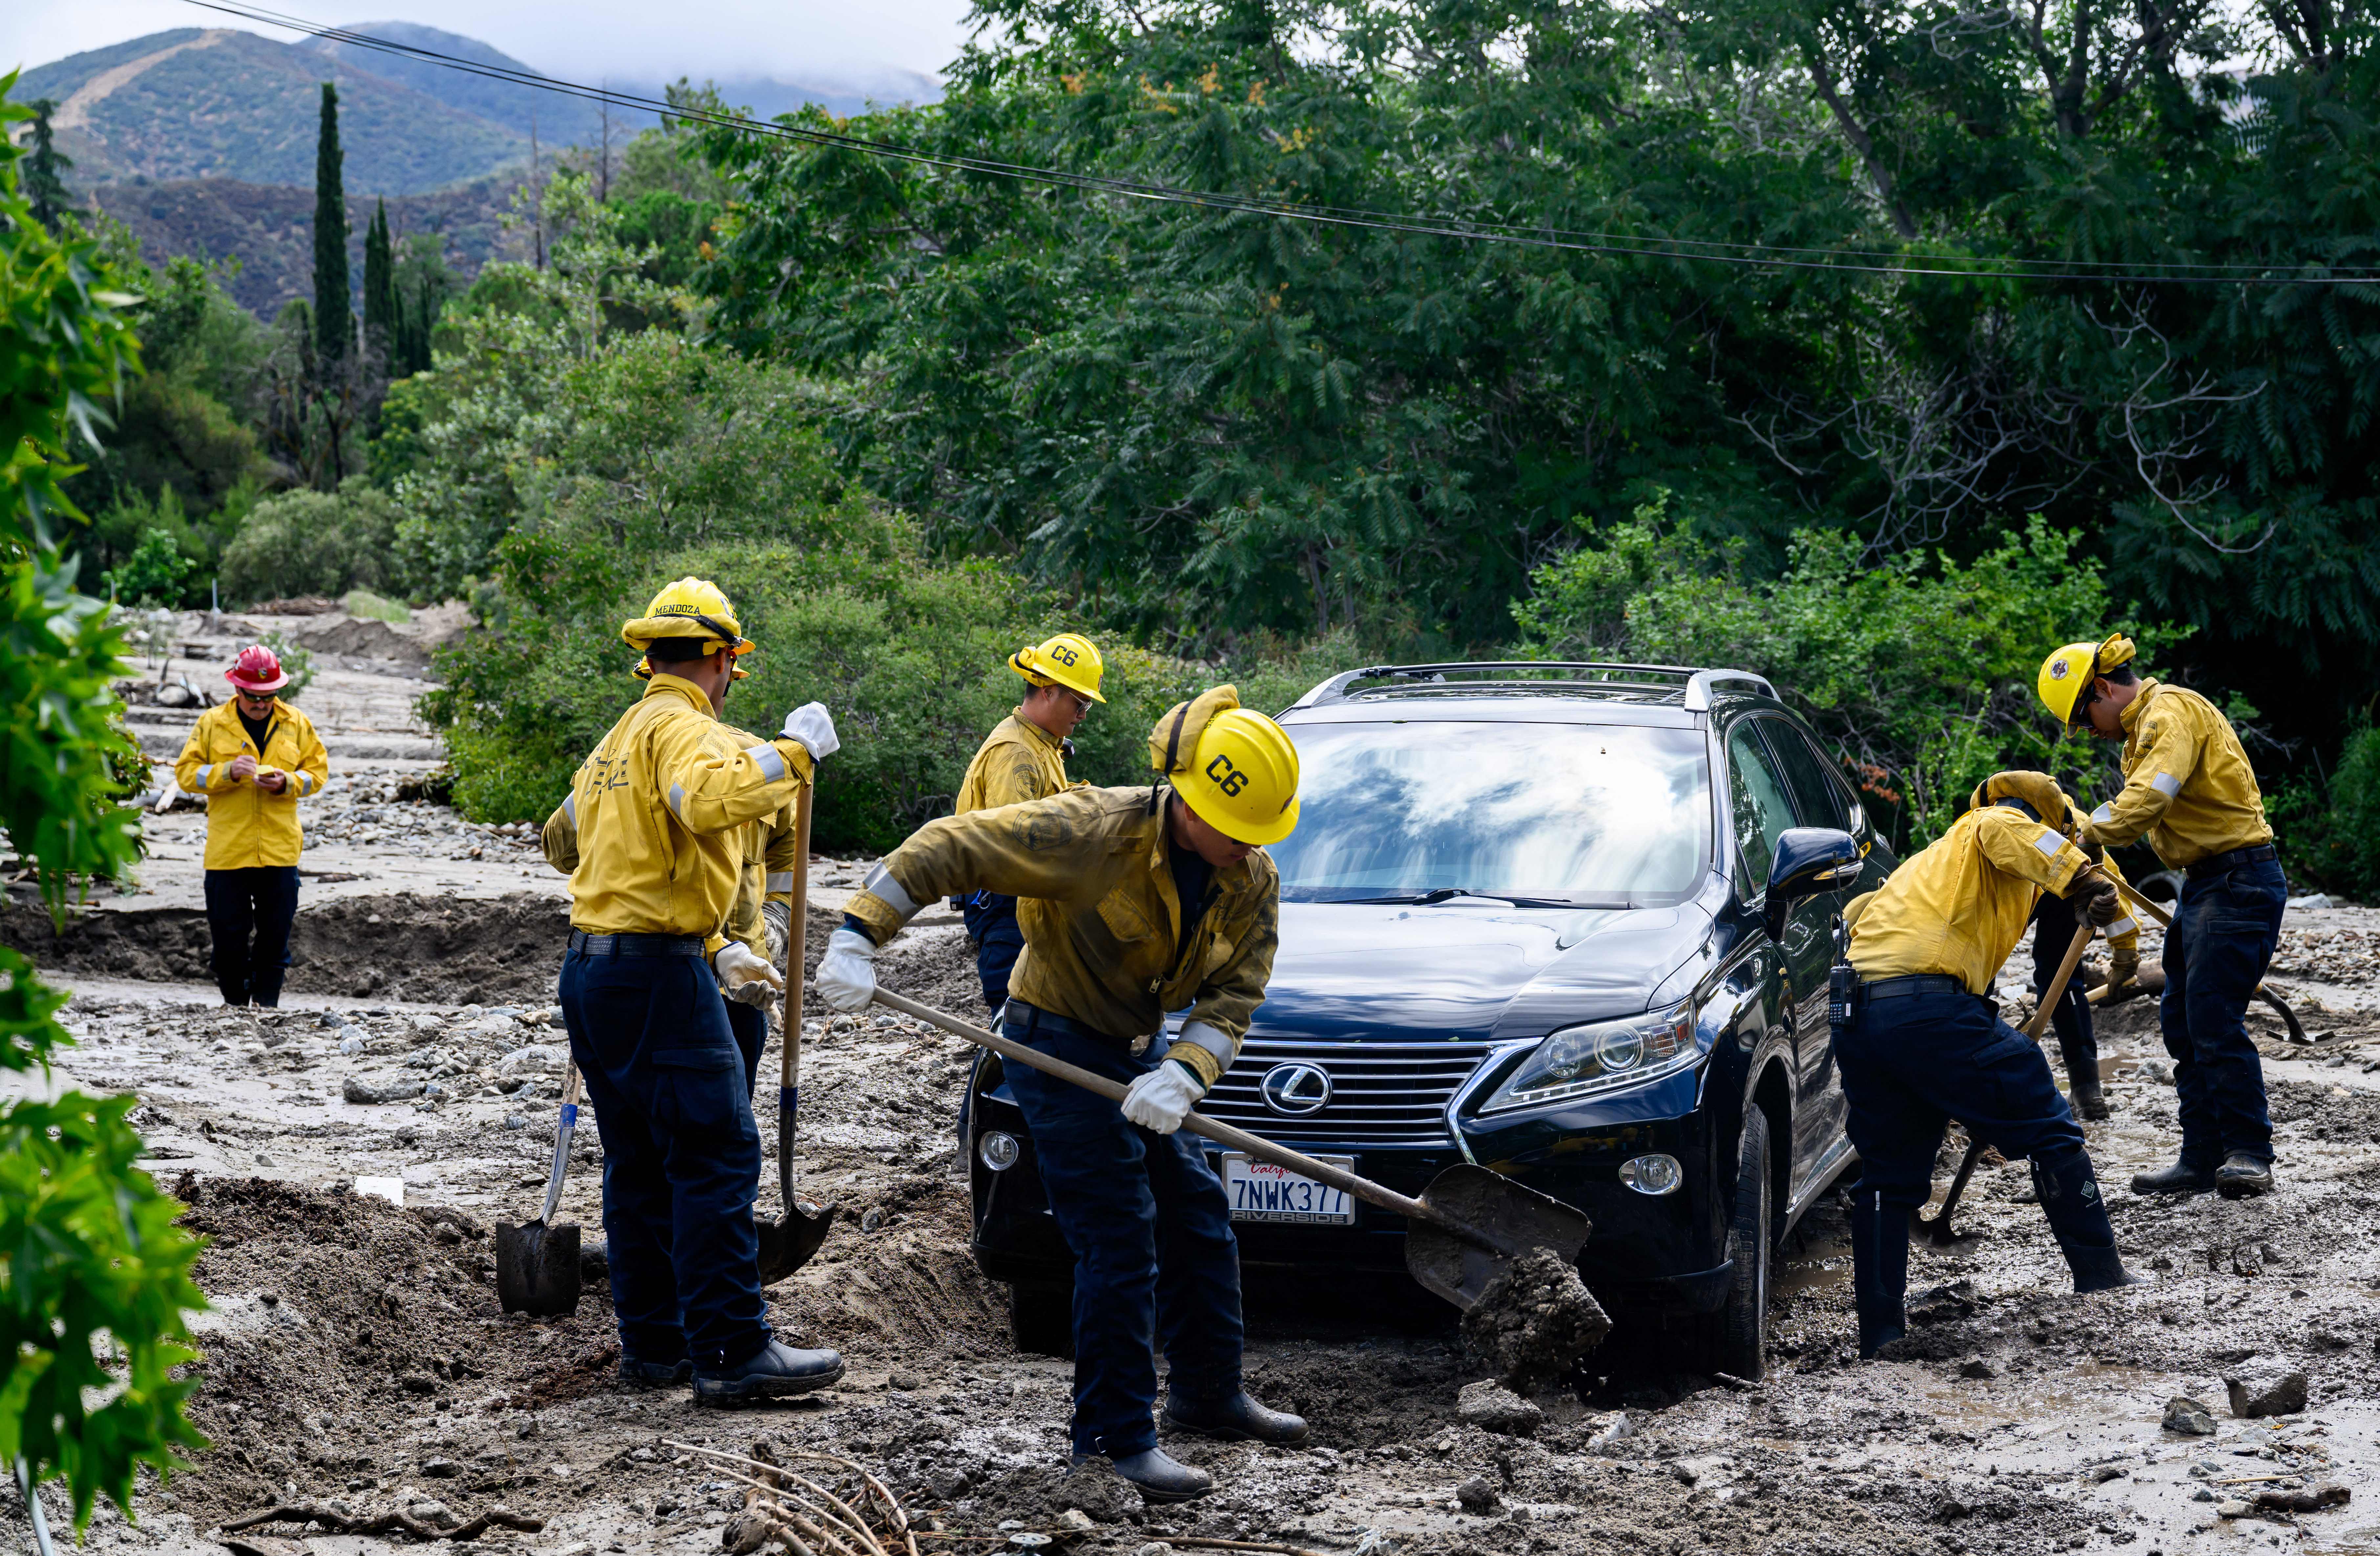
2023, 1420
1534, 1323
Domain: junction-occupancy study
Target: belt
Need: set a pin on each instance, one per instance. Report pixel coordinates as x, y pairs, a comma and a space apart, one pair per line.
1915, 983
2217, 864
1032, 1018
636, 945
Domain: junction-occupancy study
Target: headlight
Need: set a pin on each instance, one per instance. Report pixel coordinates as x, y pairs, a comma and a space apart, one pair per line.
1578, 1061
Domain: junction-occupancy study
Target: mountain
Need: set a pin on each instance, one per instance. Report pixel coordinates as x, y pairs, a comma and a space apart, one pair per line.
218, 104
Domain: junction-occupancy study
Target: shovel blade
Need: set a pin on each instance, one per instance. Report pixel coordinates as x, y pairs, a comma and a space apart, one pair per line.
1514, 1218
536, 1268
788, 1244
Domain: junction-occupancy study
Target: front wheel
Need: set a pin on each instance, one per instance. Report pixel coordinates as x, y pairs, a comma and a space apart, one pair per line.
1735, 1339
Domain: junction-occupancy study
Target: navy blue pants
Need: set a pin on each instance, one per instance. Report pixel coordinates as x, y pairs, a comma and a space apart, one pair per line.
248, 915
681, 1157
1155, 1258
991, 924
2216, 954
2053, 930
750, 1024
1913, 1063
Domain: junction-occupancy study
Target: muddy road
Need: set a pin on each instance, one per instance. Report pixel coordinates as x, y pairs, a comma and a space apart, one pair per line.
356, 1353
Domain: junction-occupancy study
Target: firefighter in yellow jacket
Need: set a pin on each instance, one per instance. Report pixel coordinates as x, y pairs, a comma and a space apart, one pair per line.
659, 812
1025, 758
1925, 1044
1134, 902
254, 757
2189, 790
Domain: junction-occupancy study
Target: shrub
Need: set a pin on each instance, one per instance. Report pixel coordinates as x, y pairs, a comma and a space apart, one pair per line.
154, 574
312, 543
296, 663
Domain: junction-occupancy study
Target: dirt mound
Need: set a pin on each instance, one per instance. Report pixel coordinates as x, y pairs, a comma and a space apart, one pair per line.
1534, 1322
934, 968
507, 950
336, 1319
903, 1285
365, 638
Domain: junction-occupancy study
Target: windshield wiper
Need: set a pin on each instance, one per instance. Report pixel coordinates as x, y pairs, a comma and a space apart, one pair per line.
1441, 894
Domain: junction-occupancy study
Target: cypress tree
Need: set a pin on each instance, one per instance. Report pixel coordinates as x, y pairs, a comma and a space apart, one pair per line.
380, 292
43, 186
335, 318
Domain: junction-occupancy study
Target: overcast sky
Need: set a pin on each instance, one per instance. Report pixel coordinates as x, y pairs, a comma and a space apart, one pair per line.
789, 39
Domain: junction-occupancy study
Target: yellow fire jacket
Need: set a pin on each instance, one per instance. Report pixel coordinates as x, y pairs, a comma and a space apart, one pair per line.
2187, 782
1958, 906
249, 827
1018, 761
1103, 942
658, 810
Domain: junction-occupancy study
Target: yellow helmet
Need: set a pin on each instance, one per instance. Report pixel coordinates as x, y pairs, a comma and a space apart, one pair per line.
689, 607
2065, 673
1067, 659
1236, 770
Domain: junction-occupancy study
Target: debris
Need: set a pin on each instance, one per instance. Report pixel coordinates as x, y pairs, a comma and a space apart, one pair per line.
1976, 1367
1534, 1322
2231, 1510
805, 1513
363, 1094
1074, 1523
2266, 1392
1479, 1496
1491, 1406
411, 1520
2314, 1499
2183, 1414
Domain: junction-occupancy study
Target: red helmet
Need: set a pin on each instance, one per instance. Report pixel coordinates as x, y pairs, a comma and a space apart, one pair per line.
258, 668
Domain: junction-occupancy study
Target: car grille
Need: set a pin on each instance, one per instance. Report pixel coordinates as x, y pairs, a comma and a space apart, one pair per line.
1381, 1095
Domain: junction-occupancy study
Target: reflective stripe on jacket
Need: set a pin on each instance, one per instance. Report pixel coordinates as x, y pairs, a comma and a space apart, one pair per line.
1960, 905
2188, 786
249, 828
1102, 925
1018, 761
658, 811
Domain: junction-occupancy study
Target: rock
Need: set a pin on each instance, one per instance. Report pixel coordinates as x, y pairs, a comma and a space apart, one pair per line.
364, 1094
905, 1381
425, 1023
1477, 1495
2266, 1392
441, 1469
1074, 1523
2183, 1414
2314, 1499
1976, 1367
745, 1533
2315, 901
1491, 1406
536, 1059
436, 1513
2158, 1070
2230, 1510
174, 694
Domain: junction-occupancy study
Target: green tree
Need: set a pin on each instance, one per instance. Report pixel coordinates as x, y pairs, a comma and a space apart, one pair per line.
154, 574
335, 320
45, 187
379, 290
97, 1274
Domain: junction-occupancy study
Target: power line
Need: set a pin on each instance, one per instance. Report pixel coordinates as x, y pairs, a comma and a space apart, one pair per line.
1463, 229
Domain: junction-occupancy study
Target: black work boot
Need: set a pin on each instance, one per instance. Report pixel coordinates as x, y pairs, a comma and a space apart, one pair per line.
2242, 1175
655, 1374
1235, 1418
1879, 1270
2078, 1219
1159, 1477
2182, 1177
773, 1372
2083, 1077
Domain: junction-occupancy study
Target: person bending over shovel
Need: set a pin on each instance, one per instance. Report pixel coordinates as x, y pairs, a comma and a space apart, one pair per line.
1925, 1044
1134, 902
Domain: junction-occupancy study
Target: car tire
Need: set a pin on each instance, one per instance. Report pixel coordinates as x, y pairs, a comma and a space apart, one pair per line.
1735, 1339
1041, 1320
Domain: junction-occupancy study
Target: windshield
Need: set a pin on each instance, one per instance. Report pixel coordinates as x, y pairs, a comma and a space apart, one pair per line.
1572, 816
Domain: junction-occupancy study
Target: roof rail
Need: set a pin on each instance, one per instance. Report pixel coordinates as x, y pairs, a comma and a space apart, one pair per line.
1694, 684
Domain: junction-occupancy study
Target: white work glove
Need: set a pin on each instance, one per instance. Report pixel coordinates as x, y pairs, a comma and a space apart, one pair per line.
814, 727
1161, 1098
846, 974
744, 976
779, 917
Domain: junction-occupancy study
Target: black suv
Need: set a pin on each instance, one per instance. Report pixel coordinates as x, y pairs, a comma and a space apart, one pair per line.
1570, 921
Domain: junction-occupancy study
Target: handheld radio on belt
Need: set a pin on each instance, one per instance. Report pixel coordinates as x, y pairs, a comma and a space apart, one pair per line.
1842, 983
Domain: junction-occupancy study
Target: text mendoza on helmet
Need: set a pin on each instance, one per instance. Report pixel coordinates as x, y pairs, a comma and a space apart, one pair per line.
1133, 902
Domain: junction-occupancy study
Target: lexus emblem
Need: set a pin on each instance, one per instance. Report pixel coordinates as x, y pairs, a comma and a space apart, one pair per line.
1295, 1090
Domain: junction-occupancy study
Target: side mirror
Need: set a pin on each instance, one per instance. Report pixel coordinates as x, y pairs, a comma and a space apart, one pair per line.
1809, 859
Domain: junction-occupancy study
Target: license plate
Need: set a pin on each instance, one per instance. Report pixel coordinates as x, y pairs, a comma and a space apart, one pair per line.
1260, 1191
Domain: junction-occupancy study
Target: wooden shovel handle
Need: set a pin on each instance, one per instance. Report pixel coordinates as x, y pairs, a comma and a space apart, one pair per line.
2057, 990
797, 941
1363, 1189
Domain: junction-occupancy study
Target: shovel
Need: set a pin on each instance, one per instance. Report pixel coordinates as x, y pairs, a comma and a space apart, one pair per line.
2288, 1017
1938, 1228
1467, 1225
537, 1265
786, 1244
